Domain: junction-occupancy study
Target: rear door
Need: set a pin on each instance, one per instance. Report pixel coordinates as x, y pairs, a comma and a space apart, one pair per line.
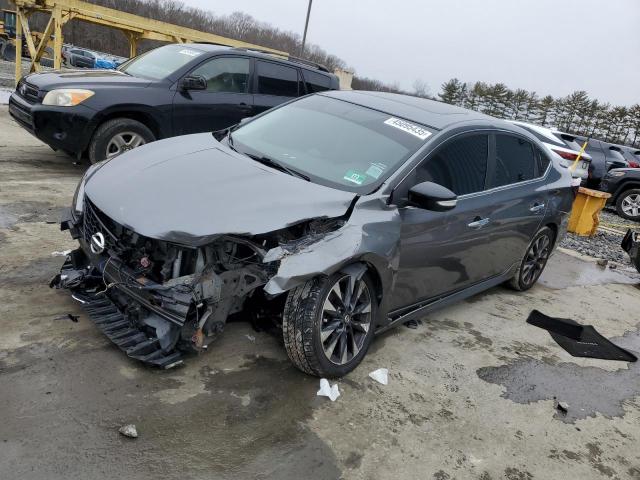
518, 190
225, 102
275, 84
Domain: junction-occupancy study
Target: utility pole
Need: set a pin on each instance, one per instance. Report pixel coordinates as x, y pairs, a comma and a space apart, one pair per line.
306, 25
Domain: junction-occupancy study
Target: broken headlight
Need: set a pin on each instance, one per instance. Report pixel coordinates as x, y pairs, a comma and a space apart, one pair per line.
78, 198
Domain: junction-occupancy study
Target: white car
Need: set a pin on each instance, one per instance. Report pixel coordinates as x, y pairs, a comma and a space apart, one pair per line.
563, 145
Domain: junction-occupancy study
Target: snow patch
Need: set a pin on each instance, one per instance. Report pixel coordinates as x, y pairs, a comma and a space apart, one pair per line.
5, 93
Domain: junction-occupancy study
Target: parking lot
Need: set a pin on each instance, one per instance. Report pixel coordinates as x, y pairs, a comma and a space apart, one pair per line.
472, 390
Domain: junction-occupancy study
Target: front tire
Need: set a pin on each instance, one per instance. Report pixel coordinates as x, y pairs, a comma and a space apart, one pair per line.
534, 260
328, 323
117, 136
628, 204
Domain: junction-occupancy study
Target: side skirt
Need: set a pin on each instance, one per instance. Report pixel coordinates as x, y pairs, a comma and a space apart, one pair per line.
427, 306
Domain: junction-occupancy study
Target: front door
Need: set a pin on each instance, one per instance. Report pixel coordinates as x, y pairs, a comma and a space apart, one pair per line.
225, 102
441, 252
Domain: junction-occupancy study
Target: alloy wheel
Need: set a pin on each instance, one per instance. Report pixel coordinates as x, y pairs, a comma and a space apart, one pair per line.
631, 205
122, 142
346, 319
536, 259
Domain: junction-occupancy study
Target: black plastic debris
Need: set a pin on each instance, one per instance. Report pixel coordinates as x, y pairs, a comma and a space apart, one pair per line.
579, 340
131, 340
631, 245
413, 324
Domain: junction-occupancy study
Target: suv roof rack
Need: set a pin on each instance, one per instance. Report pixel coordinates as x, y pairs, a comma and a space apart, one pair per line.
291, 58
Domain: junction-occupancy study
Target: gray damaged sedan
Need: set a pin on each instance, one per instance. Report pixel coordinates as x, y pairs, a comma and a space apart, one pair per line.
336, 216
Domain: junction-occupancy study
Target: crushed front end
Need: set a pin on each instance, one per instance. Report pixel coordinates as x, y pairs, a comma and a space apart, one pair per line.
155, 299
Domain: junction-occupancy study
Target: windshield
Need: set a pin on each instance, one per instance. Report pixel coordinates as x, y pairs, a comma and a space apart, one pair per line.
334, 143
160, 62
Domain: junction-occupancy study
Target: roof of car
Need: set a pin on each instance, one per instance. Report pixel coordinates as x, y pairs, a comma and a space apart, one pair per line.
297, 62
432, 113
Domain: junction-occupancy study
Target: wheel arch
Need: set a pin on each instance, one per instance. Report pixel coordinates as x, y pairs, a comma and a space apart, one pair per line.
144, 115
623, 187
555, 229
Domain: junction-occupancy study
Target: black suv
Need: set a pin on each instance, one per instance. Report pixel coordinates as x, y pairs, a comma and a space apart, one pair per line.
173, 90
604, 157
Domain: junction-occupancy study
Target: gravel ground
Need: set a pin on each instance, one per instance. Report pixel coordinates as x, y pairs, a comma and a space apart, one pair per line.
604, 244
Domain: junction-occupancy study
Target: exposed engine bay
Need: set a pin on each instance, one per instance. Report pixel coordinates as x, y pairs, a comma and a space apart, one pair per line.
156, 299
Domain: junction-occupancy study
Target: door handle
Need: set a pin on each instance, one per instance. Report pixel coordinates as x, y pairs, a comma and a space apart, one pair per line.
478, 222
537, 207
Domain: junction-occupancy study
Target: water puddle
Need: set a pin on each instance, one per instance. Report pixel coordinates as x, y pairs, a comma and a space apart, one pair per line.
565, 271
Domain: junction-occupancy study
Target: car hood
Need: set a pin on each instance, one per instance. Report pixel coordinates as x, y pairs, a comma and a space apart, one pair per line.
83, 78
191, 189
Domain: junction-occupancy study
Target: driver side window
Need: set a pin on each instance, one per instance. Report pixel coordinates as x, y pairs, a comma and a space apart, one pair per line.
230, 75
460, 165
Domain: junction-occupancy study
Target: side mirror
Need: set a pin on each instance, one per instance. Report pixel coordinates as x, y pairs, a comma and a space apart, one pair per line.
195, 82
431, 196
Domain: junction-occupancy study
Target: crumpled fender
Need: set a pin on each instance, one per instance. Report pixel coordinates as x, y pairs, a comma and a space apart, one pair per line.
372, 235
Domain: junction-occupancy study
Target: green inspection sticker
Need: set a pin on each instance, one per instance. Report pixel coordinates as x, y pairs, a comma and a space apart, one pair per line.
355, 177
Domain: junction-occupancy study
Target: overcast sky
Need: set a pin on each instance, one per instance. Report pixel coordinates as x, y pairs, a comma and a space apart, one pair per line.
548, 46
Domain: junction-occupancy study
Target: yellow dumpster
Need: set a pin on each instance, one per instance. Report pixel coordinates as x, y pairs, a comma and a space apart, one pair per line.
585, 214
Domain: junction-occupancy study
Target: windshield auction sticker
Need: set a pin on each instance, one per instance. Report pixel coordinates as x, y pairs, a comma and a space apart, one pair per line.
415, 130
191, 53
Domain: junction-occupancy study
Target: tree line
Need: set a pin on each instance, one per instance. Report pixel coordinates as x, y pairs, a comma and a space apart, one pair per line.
575, 113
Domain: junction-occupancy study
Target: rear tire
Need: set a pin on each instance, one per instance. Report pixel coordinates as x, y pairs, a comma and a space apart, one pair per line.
534, 260
323, 338
117, 136
628, 204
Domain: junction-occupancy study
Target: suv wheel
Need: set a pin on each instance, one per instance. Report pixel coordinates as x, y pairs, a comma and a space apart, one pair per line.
117, 136
628, 204
328, 323
534, 260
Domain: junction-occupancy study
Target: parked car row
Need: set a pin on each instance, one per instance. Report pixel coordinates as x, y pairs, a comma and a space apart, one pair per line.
83, 58
603, 166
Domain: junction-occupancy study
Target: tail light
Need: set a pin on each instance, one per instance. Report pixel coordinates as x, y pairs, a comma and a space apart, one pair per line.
633, 164
566, 155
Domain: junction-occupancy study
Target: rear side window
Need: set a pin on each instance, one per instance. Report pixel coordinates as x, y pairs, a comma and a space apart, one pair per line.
515, 161
316, 82
460, 165
543, 162
274, 79
225, 74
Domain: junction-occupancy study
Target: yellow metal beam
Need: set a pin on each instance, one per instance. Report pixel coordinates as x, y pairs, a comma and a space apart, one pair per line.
134, 27
18, 50
44, 40
22, 18
56, 16
152, 29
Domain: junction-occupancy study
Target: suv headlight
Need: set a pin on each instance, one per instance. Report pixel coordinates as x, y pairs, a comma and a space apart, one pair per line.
66, 97
616, 174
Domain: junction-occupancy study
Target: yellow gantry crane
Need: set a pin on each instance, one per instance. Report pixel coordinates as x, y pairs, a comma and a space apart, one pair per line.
134, 27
